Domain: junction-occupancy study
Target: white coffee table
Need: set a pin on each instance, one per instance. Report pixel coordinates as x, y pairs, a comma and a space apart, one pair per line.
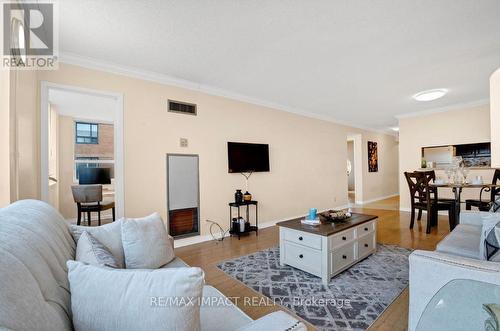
327, 249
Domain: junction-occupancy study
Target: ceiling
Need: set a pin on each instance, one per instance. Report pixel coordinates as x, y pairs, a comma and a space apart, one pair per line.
83, 106
351, 61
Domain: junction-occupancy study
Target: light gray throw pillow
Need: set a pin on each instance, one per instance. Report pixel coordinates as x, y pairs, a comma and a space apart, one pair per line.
89, 250
129, 300
146, 244
110, 235
495, 206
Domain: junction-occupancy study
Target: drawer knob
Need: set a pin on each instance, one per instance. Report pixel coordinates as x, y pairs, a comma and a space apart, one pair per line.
344, 238
366, 245
366, 229
344, 257
301, 256
300, 238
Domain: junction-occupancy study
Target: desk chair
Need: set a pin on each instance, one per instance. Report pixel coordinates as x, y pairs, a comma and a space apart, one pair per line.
88, 198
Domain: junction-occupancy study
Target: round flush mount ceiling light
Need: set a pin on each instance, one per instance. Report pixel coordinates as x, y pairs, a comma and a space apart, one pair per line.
430, 95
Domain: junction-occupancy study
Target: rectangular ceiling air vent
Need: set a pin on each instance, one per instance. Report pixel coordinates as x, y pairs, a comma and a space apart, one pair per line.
181, 107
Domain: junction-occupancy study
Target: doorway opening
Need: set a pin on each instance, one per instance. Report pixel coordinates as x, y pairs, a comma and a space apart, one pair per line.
81, 145
354, 169
351, 179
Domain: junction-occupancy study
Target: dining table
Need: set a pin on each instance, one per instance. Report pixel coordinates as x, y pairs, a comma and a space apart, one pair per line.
457, 189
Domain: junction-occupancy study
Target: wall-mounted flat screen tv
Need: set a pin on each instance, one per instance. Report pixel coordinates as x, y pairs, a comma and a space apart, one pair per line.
244, 157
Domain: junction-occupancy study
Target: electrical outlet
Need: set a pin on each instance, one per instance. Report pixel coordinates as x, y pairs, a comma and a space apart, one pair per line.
183, 142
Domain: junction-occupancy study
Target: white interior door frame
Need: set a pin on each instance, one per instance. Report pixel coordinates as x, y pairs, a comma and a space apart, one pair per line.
118, 133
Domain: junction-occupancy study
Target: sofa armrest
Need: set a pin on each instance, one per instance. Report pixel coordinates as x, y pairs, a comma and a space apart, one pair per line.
430, 271
476, 217
467, 264
277, 321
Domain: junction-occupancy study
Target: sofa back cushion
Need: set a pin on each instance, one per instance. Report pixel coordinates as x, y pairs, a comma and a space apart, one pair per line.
146, 244
35, 243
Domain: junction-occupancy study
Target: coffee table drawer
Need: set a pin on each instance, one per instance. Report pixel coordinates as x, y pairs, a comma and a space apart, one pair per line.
343, 256
303, 238
366, 228
304, 258
366, 245
341, 238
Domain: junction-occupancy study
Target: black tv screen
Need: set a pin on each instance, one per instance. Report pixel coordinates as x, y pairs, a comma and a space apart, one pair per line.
244, 157
88, 176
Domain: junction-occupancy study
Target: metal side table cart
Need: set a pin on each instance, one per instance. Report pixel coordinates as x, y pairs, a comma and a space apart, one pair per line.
250, 228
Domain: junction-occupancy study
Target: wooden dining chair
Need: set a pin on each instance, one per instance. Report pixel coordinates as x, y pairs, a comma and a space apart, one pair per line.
423, 197
88, 199
431, 176
485, 205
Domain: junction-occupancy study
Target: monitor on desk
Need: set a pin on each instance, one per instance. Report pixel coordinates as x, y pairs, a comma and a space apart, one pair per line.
89, 176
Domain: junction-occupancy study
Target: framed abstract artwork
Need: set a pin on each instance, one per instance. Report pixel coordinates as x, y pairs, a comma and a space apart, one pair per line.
372, 157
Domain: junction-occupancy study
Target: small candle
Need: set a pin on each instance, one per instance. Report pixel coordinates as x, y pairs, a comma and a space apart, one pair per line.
312, 213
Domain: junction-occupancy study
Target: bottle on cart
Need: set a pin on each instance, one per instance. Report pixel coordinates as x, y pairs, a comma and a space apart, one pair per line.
241, 221
235, 226
238, 196
247, 196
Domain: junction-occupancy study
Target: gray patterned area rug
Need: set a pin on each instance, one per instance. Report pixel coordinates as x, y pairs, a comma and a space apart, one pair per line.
352, 301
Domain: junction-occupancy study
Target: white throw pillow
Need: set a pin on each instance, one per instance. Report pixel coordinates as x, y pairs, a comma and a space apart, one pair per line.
489, 223
146, 244
89, 250
121, 299
110, 235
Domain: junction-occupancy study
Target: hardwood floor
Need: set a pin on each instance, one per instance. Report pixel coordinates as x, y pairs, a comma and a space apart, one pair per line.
393, 228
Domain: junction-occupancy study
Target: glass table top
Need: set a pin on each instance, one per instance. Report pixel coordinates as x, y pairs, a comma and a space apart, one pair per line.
462, 304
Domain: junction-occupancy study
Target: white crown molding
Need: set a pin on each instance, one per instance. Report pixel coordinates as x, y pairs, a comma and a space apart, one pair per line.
455, 107
95, 64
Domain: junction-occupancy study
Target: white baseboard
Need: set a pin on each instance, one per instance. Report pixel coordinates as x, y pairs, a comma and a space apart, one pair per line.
262, 225
359, 202
194, 240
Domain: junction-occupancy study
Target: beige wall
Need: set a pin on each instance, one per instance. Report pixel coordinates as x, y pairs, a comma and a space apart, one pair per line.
470, 125
307, 156
21, 121
66, 165
384, 182
27, 134
4, 138
495, 118
53, 149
